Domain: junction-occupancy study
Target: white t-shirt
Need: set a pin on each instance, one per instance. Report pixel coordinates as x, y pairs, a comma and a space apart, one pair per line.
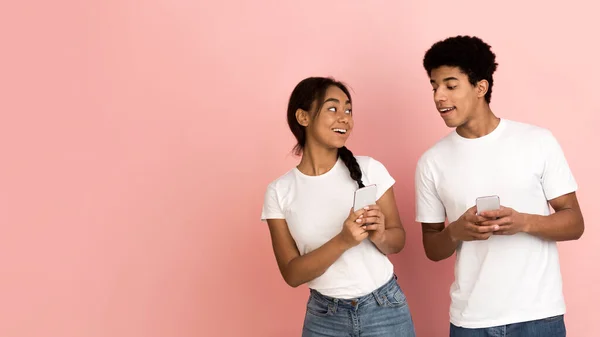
505, 279
315, 208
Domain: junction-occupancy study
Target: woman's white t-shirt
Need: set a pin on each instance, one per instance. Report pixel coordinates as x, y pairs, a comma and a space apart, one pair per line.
315, 208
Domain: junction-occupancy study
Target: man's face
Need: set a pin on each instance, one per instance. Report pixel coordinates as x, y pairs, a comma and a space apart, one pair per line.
454, 96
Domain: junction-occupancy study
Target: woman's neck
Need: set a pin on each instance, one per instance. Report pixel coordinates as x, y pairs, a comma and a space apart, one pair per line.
317, 160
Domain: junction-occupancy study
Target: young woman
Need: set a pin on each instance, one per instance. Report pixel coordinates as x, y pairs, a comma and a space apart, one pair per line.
319, 239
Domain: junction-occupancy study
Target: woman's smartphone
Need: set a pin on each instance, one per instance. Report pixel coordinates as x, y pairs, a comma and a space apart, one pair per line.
487, 203
365, 196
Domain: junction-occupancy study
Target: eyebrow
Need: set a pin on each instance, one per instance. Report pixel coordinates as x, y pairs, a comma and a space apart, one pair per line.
335, 100
452, 78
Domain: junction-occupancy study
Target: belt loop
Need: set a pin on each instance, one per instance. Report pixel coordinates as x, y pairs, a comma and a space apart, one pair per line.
334, 306
378, 298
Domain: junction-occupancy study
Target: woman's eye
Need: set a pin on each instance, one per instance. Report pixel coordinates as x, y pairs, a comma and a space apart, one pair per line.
332, 109
349, 111
452, 87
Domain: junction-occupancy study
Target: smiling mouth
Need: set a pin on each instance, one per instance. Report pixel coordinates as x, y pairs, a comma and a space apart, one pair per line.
446, 110
340, 131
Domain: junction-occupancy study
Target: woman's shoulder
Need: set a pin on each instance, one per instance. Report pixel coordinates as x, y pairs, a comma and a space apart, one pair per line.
366, 162
282, 181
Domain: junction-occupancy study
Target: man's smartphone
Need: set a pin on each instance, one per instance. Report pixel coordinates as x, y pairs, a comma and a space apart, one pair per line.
365, 196
487, 203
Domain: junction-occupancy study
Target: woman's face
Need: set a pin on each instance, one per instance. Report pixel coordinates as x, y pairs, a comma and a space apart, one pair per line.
332, 125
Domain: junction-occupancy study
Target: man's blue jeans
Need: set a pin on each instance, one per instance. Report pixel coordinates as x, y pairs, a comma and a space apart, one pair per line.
546, 327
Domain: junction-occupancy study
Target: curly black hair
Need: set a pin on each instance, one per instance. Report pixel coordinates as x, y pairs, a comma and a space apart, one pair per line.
469, 53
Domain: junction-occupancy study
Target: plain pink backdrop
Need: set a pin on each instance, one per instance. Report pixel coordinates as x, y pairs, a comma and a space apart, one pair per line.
137, 139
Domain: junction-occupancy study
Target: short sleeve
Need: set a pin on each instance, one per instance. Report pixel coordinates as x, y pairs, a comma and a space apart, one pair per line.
271, 206
557, 179
429, 206
379, 175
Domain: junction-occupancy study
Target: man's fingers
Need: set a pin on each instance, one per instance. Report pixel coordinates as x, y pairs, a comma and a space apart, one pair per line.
488, 229
490, 214
475, 218
505, 211
500, 222
483, 236
500, 213
505, 230
472, 210
483, 229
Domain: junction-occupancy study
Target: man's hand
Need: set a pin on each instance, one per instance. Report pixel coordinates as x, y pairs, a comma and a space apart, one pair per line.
509, 220
470, 227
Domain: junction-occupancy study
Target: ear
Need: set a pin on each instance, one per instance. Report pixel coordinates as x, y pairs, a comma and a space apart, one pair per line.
302, 117
482, 88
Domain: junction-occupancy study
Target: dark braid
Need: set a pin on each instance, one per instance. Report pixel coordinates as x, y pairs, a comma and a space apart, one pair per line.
352, 165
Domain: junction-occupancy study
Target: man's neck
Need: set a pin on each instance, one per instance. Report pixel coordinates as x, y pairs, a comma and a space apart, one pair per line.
482, 124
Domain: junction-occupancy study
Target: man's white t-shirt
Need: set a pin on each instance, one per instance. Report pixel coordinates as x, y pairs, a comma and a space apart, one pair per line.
506, 278
315, 208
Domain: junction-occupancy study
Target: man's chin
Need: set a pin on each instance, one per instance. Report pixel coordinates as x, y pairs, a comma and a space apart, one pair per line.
451, 123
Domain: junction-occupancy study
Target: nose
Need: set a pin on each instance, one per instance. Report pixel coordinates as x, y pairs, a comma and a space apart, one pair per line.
439, 96
343, 117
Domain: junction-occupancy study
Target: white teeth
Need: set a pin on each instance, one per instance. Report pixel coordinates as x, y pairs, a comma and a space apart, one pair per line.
340, 130
446, 109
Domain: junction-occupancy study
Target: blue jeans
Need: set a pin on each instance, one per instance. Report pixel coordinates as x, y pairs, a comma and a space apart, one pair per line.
546, 327
384, 312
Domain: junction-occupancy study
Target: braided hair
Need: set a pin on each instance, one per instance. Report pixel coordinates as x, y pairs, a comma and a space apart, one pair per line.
352, 165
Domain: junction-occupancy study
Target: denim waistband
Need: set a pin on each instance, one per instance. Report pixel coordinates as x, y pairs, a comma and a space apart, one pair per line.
376, 295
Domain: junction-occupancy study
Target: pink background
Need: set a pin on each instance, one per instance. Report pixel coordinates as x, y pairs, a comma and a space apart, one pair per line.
137, 139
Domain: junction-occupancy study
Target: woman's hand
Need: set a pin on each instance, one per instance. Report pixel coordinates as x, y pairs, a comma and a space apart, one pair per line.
373, 221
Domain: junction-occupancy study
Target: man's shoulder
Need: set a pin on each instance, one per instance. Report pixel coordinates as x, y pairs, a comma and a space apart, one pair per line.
527, 129
439, 147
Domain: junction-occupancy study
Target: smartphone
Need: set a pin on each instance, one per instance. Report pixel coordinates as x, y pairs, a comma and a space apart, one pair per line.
487, 203
365, 196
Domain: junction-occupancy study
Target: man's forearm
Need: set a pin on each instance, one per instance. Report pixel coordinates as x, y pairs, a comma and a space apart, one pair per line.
439, 245
564, 225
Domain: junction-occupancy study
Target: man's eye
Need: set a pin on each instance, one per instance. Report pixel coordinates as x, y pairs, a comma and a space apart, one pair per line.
332, 109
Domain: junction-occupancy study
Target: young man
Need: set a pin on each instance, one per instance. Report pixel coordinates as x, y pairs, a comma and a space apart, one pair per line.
508, 280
